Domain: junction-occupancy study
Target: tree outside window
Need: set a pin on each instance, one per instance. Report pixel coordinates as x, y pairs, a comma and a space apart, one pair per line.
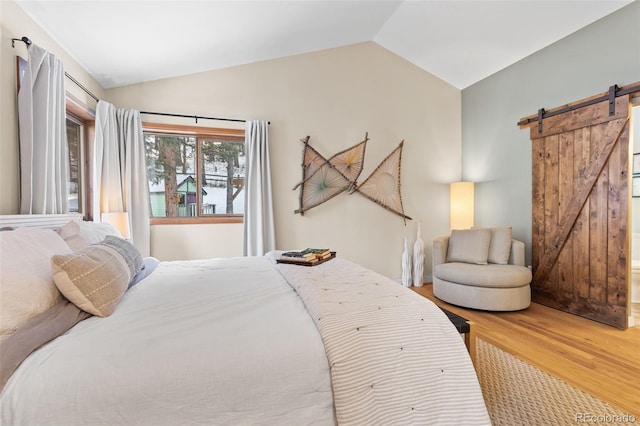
195, 176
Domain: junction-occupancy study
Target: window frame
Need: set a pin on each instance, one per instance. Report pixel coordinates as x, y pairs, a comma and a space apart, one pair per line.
81, 170
83, 115
229, 135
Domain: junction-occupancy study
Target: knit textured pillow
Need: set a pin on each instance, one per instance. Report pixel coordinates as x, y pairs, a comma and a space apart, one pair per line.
127, 250
96, 277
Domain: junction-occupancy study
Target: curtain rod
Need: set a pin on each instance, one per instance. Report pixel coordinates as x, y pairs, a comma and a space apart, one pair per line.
196, 117
87, 91
26, 40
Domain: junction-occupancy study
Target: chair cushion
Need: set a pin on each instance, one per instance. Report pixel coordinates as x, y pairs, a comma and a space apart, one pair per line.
491, 275
469, 245
500, 246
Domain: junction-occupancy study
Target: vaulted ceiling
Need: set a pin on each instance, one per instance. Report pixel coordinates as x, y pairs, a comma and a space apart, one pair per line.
461, 42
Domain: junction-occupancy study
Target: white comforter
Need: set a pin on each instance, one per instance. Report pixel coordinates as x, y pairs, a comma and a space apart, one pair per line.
222, 341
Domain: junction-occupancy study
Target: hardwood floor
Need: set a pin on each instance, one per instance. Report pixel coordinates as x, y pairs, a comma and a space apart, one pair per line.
598, 359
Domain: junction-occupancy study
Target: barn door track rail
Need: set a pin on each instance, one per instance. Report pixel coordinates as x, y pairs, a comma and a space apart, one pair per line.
610, 96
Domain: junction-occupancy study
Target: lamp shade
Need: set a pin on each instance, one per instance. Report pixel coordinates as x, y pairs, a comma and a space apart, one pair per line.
120, 221
461, 198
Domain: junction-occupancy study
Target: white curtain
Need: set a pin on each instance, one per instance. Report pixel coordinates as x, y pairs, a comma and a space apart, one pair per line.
44, 161
259, 229
120, 177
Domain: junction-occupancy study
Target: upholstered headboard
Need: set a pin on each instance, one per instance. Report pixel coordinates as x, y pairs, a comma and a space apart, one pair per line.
38, 220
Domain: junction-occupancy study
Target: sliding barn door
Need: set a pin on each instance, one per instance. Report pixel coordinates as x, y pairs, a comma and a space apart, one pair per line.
580, 245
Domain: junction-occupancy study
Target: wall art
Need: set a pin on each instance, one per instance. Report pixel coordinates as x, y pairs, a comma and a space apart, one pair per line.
323, 179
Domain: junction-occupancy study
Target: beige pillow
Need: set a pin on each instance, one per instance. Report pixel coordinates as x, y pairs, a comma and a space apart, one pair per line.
26, 283
95, 277
500, 246
469, 246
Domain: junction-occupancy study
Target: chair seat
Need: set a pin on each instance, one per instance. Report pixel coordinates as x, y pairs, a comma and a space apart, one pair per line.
491, 275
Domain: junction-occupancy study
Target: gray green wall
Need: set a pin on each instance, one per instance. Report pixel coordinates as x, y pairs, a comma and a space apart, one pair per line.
496, 154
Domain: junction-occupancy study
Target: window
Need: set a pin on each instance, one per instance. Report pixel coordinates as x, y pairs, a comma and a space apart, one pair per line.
80, 130
74, 145
195, 173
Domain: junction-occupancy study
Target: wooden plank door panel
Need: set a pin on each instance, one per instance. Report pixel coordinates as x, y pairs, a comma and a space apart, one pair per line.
580, 212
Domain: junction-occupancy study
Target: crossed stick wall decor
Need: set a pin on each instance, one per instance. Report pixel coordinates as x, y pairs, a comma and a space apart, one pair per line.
323, 179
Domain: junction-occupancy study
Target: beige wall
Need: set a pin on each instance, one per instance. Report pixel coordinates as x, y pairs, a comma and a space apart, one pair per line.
335, 96
173, 242
15, 24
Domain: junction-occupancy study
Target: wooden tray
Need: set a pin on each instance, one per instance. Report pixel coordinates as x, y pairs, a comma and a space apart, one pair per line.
301, 263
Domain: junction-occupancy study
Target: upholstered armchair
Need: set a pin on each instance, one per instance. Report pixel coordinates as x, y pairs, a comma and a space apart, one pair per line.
481, 268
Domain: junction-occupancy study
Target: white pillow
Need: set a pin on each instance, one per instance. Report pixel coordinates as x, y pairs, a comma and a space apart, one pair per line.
469, 246
82, 234
26, 281
500, 247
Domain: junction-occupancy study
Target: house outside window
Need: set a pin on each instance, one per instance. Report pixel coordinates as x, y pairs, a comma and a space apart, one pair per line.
195, 173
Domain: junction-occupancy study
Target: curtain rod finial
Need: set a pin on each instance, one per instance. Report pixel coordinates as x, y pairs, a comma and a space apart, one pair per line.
24, 39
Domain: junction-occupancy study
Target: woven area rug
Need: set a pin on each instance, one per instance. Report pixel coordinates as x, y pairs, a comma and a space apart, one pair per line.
517, 393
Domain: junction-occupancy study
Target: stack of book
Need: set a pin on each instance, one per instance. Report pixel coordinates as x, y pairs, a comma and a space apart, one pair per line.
308, 256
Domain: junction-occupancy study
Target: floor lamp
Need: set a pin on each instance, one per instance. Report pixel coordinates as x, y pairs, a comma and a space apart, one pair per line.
461, 198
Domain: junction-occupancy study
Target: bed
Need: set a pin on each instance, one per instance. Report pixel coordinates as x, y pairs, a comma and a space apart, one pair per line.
236, 341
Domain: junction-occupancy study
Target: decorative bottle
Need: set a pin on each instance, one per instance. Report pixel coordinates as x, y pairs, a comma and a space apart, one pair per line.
418, 259
406, 265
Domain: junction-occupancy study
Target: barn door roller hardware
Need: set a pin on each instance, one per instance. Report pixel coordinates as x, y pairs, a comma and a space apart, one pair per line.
611, 95
540, 117
612, 99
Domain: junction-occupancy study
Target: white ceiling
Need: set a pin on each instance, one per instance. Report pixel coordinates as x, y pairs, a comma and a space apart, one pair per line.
459, 41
